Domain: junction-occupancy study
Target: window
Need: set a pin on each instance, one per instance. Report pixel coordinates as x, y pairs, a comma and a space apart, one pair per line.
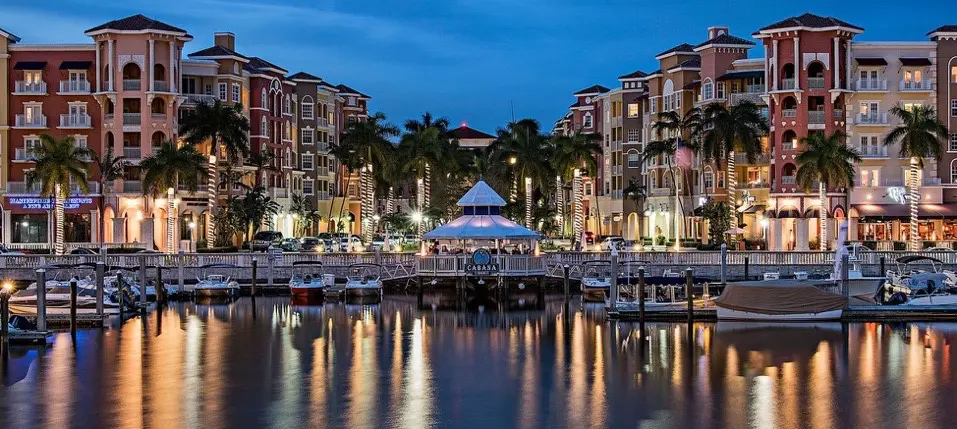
632, 110
308, 187
236, 93
307, 110
307, 161
287, 104
870, 146
31, 142
634, 135
720, 91
721, 179
32, 76
634, 158
654, 105
587, 120
308, 136
707, 90
912, 76
77, 109
953, 107
222, 91
80, 141
910, 105
264, 127
708, 178
32, 113
953, 142
208, 89
654, 179
287, 131
264, 100
188, 85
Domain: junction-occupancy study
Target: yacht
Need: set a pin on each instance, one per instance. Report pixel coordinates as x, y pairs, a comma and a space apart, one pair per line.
364, 280
217, 285
308, 281
911, 286
596, 280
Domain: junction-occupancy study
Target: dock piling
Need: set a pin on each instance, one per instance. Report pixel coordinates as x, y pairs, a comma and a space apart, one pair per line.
160, 287
418, 298
613, 288
120, 296
565, 269
746, 263
271, 262
724, 264
181, 267
41, 300
100, 273
689, 294
882, 272
641, 297
73, 293
143, 303
252, 289
4, 313
845, 290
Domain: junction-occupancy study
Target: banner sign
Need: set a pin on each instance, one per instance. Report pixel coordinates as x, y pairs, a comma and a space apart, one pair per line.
35, 203
481, 262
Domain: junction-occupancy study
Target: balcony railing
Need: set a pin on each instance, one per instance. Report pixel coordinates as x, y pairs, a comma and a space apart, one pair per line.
787, 84
160, 86
24, 154
873, 152
279, 192
616, 145
34, 121
757, 185
196, 99
815, 116
75, 121
870, 85
132, 152
787, 180
132, 186
22, 188
132, 118
108, 117
789, 113
158, 116
927, 181
871, 119
322, 122
738, 97
74, 86
838, 114
915, 85
616, 170
322, 146
322, 195
322, 171
742, 158
815, 82
132, 84
33, 88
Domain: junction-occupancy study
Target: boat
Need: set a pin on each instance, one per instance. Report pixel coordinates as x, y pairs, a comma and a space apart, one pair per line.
217, 285
364, 280
663, 289
58, 297
861, 289
307, 282
596, 280
782, 300
910, 286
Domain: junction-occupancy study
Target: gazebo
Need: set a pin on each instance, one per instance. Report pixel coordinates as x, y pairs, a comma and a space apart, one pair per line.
482, 224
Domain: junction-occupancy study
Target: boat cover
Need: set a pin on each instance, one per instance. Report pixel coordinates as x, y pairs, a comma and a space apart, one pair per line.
770, 299
922, 281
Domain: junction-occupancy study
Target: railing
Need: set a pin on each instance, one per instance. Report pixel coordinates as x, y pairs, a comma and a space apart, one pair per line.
35, 88
160, 86
756, 185
322, 146
787, 84
196, 99
738, 97
158, 116
322, 122
455, 265
661, 191
789, 113
838, 114
871, 119
322, 195
75, 121
870, 85
24, 154
788, 180
927, 181
873, 152
322, 171
742, 158
616, 145
132, 152
616, 170
279, 192
132, 84
132, 118
34, 121
815, 82
915, 85
132, 186
815, 117
74, 86
108, 117
22, 188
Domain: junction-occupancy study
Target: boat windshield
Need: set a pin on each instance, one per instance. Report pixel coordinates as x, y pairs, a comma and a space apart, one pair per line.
215, 278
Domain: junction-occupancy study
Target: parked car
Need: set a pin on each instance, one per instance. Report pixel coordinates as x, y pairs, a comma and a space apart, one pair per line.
312, 244
290, 245
263, 239
329, 245
82, 251
377, 242
589, 237
411, 239
351, 244
616, 242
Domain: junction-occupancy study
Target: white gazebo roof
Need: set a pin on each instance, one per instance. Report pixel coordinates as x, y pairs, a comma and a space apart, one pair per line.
481, 195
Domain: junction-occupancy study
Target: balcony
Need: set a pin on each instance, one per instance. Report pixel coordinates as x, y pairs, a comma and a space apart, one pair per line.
616, 170
787, 84
322, 171
30, 121
838, 114
158, 117
132, 119
322, 195
815, 82
193, 100
30, 88
74, 87
927, 181
742, 159
870, 85
132, 186
873, 152
659, 192
75, 121
108, 117
24, 154
877, 119
815, 117
616, 145
322, 146
763, 184
322, 122
160, 86
132, 85
753, 97
132, 153
787, 180
789, 113
21, 188
916, 85
279, 192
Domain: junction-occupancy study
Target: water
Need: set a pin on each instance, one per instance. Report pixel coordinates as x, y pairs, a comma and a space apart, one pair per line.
273, 365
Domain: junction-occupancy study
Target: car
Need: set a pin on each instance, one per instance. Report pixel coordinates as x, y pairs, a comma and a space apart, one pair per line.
290, 245
589, 237
411, 239
396, 240
4, 250
351, 244
328, 245
82, 251
616, 242
312, 244
263, 239
377, 242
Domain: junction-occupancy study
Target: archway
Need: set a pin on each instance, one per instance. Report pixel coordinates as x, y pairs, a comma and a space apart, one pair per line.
159, 73
789, 140
787, 76
157, 139
158, 107
131, 77
815, 74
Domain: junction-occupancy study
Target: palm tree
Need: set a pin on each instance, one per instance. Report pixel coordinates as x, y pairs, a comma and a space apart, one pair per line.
111, 168
168, 167
638, 194
920, 134
527, 152
424, 148
676, 149
59, 163
221, 125
344, 153
579, 151
826, 162
371, 140
726, 131
263, 161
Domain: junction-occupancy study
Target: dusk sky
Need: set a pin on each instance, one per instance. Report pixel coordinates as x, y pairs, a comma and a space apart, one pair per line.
468, 60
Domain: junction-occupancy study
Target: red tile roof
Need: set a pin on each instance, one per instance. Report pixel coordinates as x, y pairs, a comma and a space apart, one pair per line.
809, 20
137, 23
465, 132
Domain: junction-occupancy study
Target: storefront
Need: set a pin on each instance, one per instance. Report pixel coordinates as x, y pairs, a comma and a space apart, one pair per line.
888, 223
29, 219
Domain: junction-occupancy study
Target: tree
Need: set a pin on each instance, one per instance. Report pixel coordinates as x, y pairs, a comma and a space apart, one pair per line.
59, 163
424, 146
254, 209
679, 139
638, 194
920, 135
718, 215
263, 161
578, 151
726, 131
306, 215
825, 162
168, 168
347, 155
221, 125
110, 168
370, 138
525, 152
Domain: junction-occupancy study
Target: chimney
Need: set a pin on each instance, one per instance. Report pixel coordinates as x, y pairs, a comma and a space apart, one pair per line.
717, 31
226, 40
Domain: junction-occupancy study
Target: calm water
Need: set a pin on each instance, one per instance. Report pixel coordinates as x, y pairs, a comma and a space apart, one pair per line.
276, 365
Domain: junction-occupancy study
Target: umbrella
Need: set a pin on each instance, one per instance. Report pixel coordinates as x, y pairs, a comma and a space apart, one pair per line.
734, 231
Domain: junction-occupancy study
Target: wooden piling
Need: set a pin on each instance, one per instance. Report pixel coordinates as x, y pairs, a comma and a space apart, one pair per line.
882, 272
418, 299
724, 264
120, 296
641, 297
41, 300
73, 293
181, 268
746, 263
252, 289
4, 314
160, 287
689, 294
100, 273
845, 289
143, 302
565, 269
613, 287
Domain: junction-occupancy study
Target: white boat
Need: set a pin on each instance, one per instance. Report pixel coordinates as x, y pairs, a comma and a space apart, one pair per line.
783, 301
364, 280
596, 280
307, 282
58, 297
910, 286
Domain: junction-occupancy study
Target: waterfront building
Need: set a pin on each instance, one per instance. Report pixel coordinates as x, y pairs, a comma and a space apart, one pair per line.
633, 97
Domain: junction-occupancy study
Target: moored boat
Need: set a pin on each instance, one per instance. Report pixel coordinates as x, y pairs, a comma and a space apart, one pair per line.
308, 281
364, 280
218, 286
783, 300
596, 280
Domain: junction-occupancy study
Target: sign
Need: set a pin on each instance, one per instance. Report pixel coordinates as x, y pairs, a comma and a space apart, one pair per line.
899, 194
35, 203
481, 262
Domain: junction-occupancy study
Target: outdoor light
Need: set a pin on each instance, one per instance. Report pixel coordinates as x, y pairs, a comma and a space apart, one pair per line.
647, 212
416, 217
434, 282
376, 218
25, 223
521, 286
512, 160
765, 222
8, 286
192, 225
295, 215
481, 281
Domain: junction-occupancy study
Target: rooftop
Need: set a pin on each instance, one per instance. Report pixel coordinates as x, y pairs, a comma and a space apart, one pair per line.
684, 47
594, 89
257, 64
809, 20
725, 39
637, 74
136, 23
303, 76
216, 51
465, 132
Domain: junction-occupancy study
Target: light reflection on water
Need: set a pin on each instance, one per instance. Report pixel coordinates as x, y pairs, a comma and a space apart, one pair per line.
276, 365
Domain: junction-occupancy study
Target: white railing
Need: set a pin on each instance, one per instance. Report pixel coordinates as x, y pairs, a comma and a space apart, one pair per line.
132, 152
322, 195
871, 119
75, 121
815, 117
279, 192
616, 145
787, 84
322, 171
22, 188
742, 158
815, 82
158, 116
160, 86
132, 186
108, 117
24, 154
870, 85
455, 265
616, 170
322, 146
763, 184
322, 122
34, 88
927, 181
195, 99
838, 114
132, 118
787, 180
915, 85
74, 86
789, 113
35, 121
873, 152
738, 97
132, 84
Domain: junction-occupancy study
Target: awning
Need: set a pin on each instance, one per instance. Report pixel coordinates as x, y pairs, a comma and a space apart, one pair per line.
789, 213
871, 61
744, 74
902, 211
915, 62
753, 208
30, 65
75, 65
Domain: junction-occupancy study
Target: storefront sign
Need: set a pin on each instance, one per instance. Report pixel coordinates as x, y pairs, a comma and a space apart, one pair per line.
481, 262
899, 194
34, 203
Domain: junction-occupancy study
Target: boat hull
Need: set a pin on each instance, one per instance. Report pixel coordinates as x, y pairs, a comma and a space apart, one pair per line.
307, 293
935, 300
362, 292
594, 294
729, 314
216, 292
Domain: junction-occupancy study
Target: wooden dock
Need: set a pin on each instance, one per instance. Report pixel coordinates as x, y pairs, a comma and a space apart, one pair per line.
28, 337
873, 313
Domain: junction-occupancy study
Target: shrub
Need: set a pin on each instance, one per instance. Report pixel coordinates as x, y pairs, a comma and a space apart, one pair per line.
900, 245
227, 249
647, 241
709, 246
690, 242
871, 244
953, 245
757, 244
814, 244
660, 240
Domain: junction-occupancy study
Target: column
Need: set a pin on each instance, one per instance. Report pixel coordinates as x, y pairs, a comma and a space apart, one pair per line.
777, 232
98, 72
837, 64
119, 230
801, 233
109, 63
152, 65
6, 226
95, 225
767, 67
774, 71
173, 65
798, 68
852, 233
146, 232
847, 63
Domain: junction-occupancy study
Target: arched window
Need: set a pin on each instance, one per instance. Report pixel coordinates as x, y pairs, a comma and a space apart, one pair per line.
235, 68
587, 121
953, 171
670, 99
307, 108
708, 178
707, 89
264, 100
634, 159
264, 127
789, 140
287, 134
287, 105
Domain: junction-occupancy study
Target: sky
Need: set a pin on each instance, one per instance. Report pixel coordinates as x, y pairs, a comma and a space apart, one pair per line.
472, 61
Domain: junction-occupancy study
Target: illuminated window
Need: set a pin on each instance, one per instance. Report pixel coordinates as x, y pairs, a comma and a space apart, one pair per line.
633, 110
